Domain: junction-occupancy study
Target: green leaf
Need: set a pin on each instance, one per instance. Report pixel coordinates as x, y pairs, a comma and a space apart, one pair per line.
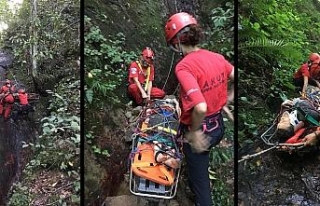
46, 130
89, 95
245, 99
75, 126
105, 152
75, 198
63, 166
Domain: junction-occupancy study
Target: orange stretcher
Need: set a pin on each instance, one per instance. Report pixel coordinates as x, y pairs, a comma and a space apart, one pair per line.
145, 166
155, 133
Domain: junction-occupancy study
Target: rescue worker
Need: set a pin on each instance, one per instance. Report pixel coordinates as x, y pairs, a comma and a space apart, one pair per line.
203, 76
308, 74
141, 77
312, 138
6, 100
24, 105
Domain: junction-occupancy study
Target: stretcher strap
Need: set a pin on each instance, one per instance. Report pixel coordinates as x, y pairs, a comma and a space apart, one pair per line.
167, 174
144, 164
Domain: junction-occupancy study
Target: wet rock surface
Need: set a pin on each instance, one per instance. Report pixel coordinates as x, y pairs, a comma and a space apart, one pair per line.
8, 163
11, 137
280, 178
13, 157
5, 63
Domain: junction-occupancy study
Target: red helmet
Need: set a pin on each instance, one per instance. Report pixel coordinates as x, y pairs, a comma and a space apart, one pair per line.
147, 55
314, 58
176, 23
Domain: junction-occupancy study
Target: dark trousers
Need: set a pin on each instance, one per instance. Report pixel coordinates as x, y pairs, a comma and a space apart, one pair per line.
20, 110
198, 163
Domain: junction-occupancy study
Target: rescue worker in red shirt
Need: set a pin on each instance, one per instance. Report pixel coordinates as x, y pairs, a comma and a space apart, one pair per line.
141, 76
6, 100
23, 97
24, 105
203, 76
308, 74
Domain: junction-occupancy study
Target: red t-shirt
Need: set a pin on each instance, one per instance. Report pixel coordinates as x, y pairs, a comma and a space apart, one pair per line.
203, 76
302, 71
4, 89
23, 98
140, 72
315, 71
311, 72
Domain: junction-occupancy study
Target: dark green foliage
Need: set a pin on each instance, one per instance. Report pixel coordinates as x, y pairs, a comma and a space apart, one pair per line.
55, 151
57, 25
220, 32
220, 38
221, 167
57, 148
106, 66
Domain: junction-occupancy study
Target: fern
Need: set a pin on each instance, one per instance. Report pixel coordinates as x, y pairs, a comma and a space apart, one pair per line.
263, 47
264, 43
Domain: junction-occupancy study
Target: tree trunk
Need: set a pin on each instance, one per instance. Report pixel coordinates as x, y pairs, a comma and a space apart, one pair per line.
34, 39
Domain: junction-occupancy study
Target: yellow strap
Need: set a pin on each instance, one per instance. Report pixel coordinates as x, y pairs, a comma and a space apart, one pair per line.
148, 75
143, 164
167, 130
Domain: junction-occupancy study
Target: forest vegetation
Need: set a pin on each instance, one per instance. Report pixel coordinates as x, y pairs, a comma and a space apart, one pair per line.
44, 41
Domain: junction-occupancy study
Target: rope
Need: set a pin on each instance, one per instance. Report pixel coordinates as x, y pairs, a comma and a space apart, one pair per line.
175, 4
297, 145
169, 141
176, 90
169, 70
246, 157
292, 144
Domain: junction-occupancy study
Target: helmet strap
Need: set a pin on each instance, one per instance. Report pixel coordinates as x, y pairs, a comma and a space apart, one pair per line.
144, 63
179, 50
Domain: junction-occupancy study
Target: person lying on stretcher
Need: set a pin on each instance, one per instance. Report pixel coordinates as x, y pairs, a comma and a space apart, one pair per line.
299, 122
